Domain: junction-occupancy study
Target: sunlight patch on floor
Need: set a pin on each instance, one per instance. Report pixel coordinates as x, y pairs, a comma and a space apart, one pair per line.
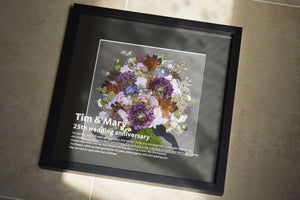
81, 183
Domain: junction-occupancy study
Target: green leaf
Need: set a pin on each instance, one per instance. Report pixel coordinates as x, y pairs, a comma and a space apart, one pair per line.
133, 59
129, 53
123, 52
177, 114
111, 94
184, 127
99, 89
152, 142
104, 89
117, 67
163, 57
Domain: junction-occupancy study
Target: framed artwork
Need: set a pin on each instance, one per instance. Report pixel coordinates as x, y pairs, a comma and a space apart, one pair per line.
143, 97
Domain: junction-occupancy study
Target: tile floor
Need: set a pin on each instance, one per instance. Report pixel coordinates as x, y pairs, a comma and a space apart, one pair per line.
263, 161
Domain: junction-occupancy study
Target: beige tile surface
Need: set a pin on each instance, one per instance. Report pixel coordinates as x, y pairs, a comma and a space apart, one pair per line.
265, 144
115, 189
31, 37
218, 11
117, 4
291, 3
264, 152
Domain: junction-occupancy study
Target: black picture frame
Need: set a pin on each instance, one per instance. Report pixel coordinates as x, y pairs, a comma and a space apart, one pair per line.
66, 78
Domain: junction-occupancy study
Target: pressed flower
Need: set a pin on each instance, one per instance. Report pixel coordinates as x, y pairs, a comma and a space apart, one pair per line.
113, 75
161, 86
188, 109
116, 106
158, 118
115, 116
125, 79
148, 99
141, 82
141, 66
102, 115
168, 105
125, 68
130, 89
176, 86
110, 87
140, 116
152, 62
140, 58
148, 92
119, 97
126, 100
175, 75
123, 115
163, 71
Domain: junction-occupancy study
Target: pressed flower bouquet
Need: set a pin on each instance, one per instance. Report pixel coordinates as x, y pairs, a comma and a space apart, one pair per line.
146, 92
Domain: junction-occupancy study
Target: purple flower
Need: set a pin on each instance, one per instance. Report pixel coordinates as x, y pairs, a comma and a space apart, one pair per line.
161, 86
140, 116
130, 89
125, 79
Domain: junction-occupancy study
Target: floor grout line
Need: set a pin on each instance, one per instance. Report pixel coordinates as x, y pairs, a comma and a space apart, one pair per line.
275, 3
92, 187
10, 198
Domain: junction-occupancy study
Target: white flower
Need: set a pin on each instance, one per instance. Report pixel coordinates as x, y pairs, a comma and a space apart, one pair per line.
182, 118
130, 60
126, 100
141, 82
169, 77
99, 102
188, 97
176, 87
158, 118
175, 120
169, 66
123, 115
142, 67
125, 68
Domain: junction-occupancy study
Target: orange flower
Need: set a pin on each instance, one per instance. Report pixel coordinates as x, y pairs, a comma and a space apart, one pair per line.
152, 62
168, 105
110, 87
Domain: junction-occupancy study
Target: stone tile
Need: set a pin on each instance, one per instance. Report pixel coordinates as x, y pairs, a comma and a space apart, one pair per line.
264, 148
292, 3
218, 11
119, 189
116, 4
31, 37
